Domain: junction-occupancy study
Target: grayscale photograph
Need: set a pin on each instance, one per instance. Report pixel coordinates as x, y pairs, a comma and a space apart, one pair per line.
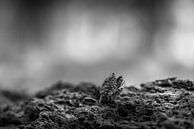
96, 64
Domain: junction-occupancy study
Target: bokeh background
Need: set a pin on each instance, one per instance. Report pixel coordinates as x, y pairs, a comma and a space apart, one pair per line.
43, 41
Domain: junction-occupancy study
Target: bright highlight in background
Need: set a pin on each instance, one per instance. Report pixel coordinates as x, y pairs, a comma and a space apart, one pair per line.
43, 42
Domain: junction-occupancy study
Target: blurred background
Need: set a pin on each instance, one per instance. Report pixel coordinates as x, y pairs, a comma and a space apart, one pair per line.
43, 41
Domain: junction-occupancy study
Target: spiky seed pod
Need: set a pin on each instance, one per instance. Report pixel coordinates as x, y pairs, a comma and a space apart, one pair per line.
111, 88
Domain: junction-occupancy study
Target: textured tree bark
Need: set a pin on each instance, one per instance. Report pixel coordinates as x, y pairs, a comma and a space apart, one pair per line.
161, 104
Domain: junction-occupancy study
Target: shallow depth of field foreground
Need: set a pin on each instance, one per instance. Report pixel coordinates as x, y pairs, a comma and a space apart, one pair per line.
161, 104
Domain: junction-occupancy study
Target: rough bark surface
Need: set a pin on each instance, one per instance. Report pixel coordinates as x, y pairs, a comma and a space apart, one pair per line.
162, 104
